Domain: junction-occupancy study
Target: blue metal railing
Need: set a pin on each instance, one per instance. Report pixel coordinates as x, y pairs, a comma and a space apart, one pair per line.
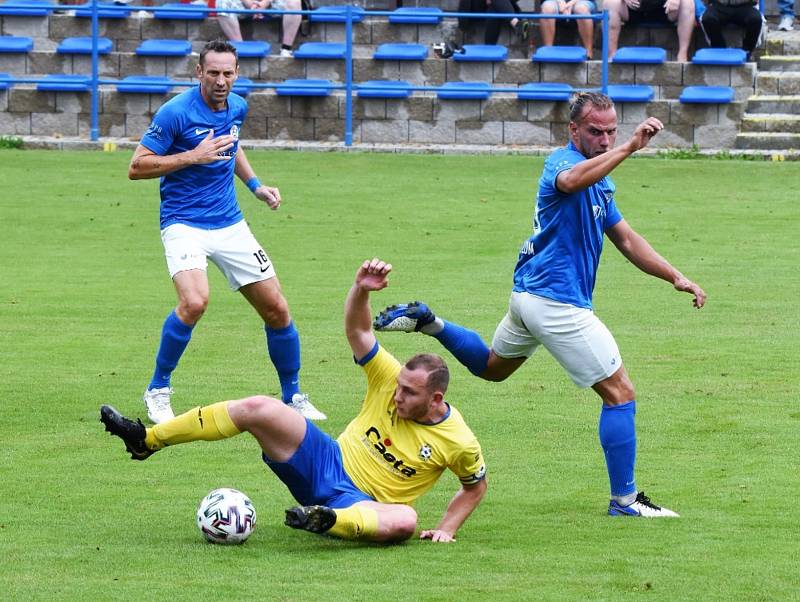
95, 81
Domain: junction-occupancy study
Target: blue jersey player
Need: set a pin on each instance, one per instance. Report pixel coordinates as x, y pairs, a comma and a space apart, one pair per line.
551, 301
193, 146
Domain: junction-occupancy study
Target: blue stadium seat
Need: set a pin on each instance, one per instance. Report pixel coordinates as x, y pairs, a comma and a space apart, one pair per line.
707, 94
321, 50
176, 10
642, 55
631, 93
420, 15
84, 46
719, 56
467, 91
401, 52
252, 48
305, 87
545, 91
164, 48
482, 53
5, 81
64, 83
243, 86
145, 84
381, 88
105, 10
559, 54
34, 8
15, 44
336, 14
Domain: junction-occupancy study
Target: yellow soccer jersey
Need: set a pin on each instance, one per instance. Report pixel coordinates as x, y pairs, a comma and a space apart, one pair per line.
397, 460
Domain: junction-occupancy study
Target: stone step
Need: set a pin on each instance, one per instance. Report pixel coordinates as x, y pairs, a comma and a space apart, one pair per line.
774, 104
784, 42
778, 82
789, 62
767, 141
771, 122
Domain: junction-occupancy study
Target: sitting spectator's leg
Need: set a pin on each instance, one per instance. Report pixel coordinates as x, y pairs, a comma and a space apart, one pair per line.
751, 21
229, 22
585, 26
493, 25
617, 15
291, 25
786, 8
712, 22
681, 12
547, 27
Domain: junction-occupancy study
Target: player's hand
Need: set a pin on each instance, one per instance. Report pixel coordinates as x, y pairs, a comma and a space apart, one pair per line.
634, 4
373, 275
685, 285
437, 535
644, 133
210, 148
271, 196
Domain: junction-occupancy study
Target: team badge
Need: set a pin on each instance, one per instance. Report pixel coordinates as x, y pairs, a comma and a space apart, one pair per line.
425, 452
235, 131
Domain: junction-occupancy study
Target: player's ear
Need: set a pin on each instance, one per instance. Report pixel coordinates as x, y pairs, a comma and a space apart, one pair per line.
198, 70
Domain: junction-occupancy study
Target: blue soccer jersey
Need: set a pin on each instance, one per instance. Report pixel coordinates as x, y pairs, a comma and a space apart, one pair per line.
202, 196
559, 261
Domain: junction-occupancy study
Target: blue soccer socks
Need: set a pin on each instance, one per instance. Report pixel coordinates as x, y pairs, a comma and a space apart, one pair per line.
175, 336
618, 438
283, 345
465, 345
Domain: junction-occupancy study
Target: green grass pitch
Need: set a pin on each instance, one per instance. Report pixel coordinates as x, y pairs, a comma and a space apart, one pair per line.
84, 292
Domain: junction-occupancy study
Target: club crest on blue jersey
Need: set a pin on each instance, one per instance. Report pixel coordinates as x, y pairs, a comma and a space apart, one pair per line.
235, 130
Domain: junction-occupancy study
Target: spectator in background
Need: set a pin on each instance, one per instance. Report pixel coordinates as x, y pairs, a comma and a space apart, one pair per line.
547, 27
229, 23
492, 32
678, 12
720, 13
786, 8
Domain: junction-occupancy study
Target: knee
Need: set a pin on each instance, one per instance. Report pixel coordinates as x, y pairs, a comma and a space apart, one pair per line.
192, 307
294, 5
549, 8
276, 315
405, 524
581, 9
254, 410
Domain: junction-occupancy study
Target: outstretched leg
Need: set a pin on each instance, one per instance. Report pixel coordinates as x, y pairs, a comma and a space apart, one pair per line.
370, 521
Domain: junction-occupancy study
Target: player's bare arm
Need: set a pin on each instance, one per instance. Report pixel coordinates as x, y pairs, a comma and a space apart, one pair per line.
146, 164
372, 275
641, 254
594, 169
242, 168
458, 510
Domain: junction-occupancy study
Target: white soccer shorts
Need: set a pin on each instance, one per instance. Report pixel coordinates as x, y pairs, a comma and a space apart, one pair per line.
575, 336
234, 250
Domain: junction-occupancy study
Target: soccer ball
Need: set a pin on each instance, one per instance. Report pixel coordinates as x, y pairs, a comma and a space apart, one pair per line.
226, 516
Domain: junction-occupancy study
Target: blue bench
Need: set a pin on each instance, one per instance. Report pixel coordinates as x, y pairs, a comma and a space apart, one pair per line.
419, 15
20, 44
719, 56
336, 14
707, 95
630, 93
321, 50
176, 10
84, 46
5, 81
465, 91
559, 54
35, 8
545, 91
105, 10
63, 83
242, 86
144, 84
252, 48
643, 55
164, 48
305, 87
482, 53
381, 88
401, 52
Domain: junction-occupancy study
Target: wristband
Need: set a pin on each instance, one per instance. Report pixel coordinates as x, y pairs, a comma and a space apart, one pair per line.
253, 184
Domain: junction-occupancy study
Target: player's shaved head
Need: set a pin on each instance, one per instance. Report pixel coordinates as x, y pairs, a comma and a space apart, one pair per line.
221, 46
438, 373
584, 102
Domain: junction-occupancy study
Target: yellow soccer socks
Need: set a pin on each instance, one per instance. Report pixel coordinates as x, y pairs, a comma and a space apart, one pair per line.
355, 522
207, 423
